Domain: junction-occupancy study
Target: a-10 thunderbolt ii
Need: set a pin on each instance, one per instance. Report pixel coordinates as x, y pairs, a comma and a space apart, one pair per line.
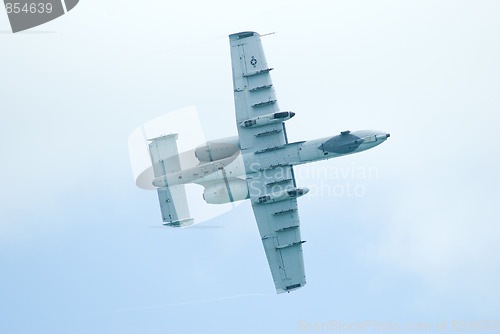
256, 165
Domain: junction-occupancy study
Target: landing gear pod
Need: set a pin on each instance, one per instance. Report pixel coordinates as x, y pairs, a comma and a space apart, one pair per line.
276, 117
283, 195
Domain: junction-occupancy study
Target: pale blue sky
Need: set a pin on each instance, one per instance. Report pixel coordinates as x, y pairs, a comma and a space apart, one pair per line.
76, 251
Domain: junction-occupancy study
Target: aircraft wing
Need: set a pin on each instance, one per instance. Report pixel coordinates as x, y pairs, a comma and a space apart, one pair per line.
263, 155
173, 201
279, 227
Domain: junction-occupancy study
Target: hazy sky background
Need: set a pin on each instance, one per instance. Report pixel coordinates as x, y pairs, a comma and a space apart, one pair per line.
77, 254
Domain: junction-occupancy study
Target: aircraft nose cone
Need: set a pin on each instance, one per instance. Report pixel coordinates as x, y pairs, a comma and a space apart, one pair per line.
292, 114
388, 135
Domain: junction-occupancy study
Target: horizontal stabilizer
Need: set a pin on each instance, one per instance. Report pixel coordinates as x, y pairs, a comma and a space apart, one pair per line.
173, 200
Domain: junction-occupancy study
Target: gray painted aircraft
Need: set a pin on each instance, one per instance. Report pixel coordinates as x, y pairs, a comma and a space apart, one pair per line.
256, 165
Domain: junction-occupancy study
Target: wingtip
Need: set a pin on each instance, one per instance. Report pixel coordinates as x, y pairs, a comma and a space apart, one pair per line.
290, 288
180, 223
243, 34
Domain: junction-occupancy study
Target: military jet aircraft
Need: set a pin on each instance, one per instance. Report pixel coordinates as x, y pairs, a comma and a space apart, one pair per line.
256, 165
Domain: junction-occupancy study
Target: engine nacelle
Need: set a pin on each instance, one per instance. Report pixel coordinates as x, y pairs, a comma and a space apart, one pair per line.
222, 192
283, 195
276, 117
217, 149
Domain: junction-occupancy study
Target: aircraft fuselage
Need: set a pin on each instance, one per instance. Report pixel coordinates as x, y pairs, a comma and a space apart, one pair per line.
293, 154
